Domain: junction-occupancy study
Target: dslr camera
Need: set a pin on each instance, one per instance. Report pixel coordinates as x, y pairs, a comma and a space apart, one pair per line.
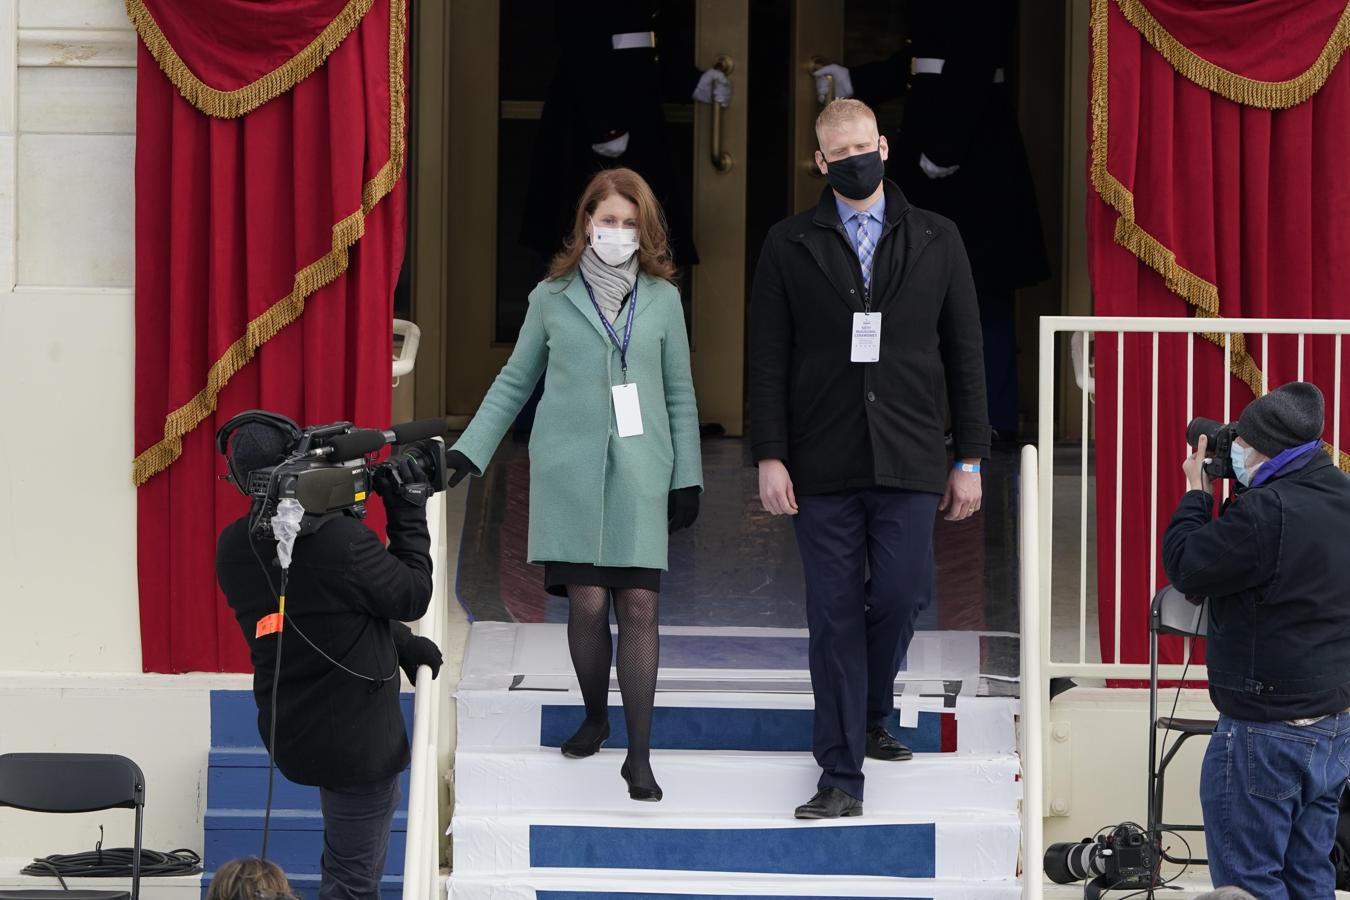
1220, 437
327, 469
1123, 858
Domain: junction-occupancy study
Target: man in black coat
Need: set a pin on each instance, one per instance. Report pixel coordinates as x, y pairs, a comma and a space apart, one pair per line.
959, 152
1278, 646
338, 721
864, 330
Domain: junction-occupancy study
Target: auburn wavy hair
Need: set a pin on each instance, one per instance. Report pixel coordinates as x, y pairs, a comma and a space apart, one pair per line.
653, 243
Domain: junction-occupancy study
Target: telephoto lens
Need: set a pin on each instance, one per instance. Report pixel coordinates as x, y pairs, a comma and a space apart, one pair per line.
1066, 863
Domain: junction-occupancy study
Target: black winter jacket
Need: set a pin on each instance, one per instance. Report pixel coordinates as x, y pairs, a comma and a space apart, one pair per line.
348, 595
840, 425
1278, 646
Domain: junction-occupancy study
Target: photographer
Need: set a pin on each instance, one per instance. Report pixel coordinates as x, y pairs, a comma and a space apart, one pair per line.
338, 721
1272, 568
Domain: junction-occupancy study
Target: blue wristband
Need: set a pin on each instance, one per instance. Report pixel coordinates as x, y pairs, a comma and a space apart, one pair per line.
967, 467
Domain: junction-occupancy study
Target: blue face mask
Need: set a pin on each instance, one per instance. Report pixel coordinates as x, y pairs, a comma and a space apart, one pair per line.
1239, 456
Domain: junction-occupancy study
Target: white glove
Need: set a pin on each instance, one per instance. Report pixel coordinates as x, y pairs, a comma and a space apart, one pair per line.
612, 148
933, 170
843, 82
713, 85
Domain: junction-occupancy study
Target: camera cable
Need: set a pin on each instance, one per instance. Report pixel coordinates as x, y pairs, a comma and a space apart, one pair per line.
113, 863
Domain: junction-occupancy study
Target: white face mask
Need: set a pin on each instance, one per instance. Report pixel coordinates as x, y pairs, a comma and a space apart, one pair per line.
613, 245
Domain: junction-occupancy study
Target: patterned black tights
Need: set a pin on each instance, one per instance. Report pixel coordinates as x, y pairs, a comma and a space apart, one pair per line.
589, 642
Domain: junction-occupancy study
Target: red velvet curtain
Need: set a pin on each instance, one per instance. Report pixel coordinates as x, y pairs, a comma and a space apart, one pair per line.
269, 235
1219, 137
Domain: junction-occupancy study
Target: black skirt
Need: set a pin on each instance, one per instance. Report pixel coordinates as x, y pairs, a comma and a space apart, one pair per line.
558, 575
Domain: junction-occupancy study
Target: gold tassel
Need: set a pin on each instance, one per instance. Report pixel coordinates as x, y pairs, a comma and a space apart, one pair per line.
1246, 91
239, 102
1198, 292
311, 278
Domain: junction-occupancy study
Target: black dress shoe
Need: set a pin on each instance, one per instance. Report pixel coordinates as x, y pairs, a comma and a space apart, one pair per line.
577, 747
881, 744
651, 794
829, 803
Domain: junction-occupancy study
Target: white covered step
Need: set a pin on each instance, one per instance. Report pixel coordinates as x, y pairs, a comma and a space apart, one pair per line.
535, 656
494, 783
728, 720
969, 847
696, 886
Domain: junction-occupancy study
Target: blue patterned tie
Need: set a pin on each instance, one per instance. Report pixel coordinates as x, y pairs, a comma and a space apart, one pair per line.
865, 249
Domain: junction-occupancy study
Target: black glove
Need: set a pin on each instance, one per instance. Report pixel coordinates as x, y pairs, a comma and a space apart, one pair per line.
419, 651
459, 467
402, 481
683, 508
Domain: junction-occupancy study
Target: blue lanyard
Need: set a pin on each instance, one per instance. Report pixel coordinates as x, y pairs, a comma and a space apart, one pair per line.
613, 335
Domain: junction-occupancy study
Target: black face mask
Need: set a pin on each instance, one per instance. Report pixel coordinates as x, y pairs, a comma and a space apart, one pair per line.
856, 177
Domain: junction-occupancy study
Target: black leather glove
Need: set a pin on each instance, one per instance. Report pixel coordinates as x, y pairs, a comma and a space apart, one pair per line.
402, 481
683, 508
419, 651
458, 467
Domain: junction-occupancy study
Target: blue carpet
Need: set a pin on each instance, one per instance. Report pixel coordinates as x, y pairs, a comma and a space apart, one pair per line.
700, 728
894, 851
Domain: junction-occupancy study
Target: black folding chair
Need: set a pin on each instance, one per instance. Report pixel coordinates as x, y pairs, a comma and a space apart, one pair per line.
1170, 613
74, 783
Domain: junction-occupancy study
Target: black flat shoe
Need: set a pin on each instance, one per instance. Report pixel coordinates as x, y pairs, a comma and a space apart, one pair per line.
580, 749
881, 744
830, 803
638, 792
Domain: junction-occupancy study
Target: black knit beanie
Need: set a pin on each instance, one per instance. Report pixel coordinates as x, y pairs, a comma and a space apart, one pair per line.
1290, 415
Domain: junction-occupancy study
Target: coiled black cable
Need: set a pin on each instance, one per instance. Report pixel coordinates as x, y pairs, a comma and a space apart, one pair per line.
115, 863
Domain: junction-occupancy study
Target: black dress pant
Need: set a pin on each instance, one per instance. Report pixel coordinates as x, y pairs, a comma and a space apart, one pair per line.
356, 822
867, 556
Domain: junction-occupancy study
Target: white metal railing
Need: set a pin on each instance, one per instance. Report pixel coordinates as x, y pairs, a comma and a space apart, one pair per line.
1038, 540
422, 862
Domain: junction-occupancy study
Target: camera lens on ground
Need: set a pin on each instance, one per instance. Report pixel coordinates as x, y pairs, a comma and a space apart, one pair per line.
1066, 862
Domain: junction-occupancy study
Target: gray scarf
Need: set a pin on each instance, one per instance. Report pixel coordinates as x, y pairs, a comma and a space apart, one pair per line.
610, 284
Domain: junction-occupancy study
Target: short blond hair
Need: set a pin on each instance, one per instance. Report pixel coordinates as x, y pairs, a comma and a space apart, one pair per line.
249, 879
840, 112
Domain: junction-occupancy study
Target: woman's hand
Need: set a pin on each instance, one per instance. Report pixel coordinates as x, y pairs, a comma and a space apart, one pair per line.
683, 508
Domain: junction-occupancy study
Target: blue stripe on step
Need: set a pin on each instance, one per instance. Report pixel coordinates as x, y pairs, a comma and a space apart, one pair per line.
708, 728
234, 718
894, 851
585, 895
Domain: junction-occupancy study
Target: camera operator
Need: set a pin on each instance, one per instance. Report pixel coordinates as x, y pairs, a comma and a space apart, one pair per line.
1273, 567
338, 721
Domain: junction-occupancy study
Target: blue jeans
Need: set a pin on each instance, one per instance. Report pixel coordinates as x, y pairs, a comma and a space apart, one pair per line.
1270, 795
356, 822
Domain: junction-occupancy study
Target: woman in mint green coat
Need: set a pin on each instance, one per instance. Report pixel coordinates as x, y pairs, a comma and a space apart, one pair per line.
614, 452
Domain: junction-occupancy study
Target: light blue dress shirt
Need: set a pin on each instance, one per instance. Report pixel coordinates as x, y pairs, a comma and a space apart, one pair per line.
874, 216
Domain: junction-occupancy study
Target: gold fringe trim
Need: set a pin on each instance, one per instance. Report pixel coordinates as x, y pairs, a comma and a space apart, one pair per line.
1246, 91
239, 102
1200, 293
311, 278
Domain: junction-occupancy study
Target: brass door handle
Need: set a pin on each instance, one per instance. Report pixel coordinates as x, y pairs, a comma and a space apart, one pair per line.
722, 161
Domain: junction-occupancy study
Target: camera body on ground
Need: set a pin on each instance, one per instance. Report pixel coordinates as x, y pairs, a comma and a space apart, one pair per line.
1124, 858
